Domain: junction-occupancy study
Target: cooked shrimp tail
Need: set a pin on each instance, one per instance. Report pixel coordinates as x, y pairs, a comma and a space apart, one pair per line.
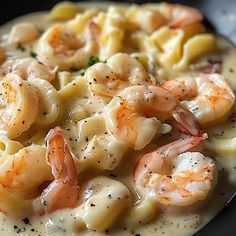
183, 145
176, 147
63, 191
175, 177
92, 33
59, 152
135, 103
91, 36
184, 122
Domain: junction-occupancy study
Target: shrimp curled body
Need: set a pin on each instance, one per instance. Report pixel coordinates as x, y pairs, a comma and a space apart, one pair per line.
128, 111
28, 69
16, 97
208, 97
61, 46
16, 191
120, 71
175, 177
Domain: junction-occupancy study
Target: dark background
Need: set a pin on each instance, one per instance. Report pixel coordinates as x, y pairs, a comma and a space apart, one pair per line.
221, 16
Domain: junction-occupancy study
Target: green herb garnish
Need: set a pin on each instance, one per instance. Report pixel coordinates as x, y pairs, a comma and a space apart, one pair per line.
93, 60
33, 54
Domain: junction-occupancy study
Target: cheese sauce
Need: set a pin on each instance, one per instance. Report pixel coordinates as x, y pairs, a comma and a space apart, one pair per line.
178, 221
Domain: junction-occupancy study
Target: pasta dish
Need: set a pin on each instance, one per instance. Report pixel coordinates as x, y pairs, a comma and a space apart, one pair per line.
115, 120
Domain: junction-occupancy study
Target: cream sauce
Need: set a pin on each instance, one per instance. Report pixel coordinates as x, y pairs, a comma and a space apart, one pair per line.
170, 221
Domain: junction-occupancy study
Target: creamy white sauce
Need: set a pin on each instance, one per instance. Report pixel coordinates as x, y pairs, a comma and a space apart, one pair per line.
171, 221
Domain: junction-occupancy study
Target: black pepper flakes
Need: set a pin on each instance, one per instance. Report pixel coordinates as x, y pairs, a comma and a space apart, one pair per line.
26, 220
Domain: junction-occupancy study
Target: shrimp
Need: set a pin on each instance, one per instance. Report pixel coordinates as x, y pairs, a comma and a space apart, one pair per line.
60, 46
120, 71
174, 176
16, 191
129, 112
17, 169
16, 98
63, 191
180, 16
148, 19
207, 96
29, 68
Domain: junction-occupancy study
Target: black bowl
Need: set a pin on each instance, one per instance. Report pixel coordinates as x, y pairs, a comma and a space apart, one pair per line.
220, 17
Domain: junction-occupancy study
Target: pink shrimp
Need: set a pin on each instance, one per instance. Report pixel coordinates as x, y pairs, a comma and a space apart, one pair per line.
63, 191
127, 111
61, 46
174, 176
180, 16
208, 96
28, 68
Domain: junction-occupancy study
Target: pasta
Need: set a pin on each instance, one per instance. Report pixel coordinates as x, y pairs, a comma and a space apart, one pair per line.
146, 212
224, 146
115, 120
189, 53
8, 146
100, 151
112, 34
17, 36
114, 206
65, 11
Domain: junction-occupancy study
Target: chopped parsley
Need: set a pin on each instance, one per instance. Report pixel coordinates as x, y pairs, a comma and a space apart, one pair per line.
93, 60
33, 54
